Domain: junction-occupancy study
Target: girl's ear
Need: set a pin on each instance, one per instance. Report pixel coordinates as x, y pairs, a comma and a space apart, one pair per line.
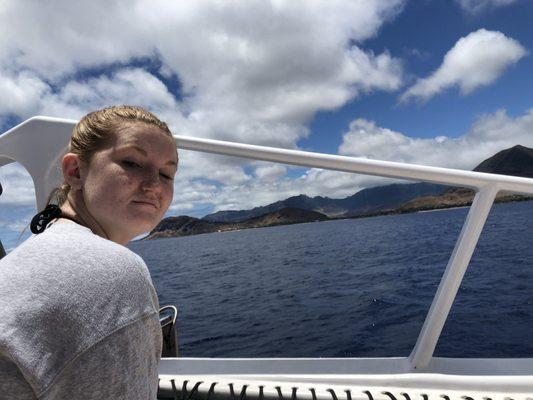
71, 165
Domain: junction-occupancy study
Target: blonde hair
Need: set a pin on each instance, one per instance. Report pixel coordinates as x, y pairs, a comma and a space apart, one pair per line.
96, 130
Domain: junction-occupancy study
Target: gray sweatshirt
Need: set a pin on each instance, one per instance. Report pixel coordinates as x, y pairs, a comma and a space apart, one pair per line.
78, 319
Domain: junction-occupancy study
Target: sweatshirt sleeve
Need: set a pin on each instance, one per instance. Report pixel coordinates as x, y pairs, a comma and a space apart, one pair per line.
122, 365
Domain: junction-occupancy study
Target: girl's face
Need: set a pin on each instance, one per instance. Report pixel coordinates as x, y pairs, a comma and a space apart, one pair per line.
128, 186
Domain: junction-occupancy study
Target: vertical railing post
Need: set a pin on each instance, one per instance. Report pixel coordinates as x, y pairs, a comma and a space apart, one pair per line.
2, 251
452, 277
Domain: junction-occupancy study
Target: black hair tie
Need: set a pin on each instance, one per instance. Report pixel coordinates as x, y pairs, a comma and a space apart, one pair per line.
42, 219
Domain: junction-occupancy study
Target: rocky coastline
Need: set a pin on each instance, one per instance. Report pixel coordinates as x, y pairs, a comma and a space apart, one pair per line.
384, 200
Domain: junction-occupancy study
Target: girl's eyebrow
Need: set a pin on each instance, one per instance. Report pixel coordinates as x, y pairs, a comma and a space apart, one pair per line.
144, 153
140, 150
132, 146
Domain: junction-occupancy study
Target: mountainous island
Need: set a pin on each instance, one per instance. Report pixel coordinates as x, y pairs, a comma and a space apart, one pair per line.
184, 225
381, 200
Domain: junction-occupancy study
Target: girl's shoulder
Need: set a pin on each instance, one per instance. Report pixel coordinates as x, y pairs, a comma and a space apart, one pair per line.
72, 252
69, 238
67, 285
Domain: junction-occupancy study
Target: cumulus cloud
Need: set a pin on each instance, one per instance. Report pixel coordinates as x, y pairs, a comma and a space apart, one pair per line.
58, 41
17, 185
21, 93
257, 72
126, 85
25, 95
476, 60
196, 194
488, 135
270, 173
191, 194
477, 6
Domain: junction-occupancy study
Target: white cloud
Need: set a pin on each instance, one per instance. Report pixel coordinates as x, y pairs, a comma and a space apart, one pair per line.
270, 173
318, 182
477, 6
195, 190
127, 85
17, 185
60, 39
26, 95
257, 72
257, 192
21, 93
488, 135
476, 60
189, 194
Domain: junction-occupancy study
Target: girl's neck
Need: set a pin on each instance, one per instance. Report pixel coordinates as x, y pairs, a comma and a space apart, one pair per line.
77, 212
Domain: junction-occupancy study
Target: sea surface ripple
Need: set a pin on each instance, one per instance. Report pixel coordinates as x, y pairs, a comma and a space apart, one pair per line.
348, 288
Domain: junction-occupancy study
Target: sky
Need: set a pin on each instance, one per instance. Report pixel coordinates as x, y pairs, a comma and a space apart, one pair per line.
436, 82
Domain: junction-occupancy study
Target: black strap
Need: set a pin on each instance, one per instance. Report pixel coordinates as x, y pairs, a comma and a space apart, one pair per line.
41, 220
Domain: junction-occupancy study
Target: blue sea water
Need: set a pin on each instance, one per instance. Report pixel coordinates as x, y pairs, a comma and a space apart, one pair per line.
348, 288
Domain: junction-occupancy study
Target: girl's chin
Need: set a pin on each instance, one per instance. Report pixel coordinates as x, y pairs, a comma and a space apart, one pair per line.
143, 223
136, 220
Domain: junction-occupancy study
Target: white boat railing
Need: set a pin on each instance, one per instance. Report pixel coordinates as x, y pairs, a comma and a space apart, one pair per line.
39, 143
486, 186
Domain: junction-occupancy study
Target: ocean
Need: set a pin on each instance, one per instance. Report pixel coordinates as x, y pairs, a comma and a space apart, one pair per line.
348, 288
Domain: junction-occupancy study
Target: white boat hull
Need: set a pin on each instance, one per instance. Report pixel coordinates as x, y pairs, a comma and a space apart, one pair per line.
346, 379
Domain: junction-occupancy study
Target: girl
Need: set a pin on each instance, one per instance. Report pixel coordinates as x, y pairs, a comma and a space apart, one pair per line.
78, 311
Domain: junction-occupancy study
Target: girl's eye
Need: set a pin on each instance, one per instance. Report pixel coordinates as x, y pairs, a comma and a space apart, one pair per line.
165, 176
131, 164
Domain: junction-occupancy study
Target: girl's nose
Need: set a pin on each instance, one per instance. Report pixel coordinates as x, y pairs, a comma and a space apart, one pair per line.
151, 179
